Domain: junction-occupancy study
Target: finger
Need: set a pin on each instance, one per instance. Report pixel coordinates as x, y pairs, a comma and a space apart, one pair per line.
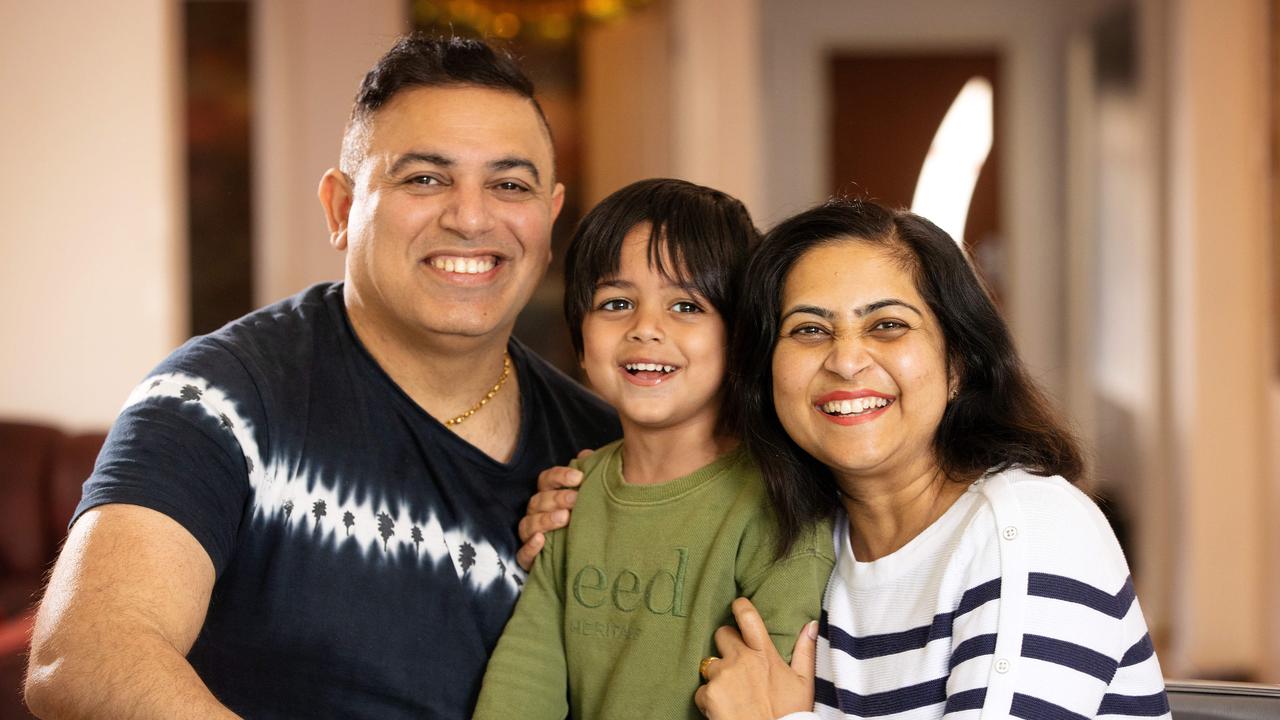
751, 626
700, 701
713, 668
585, 453
549, 500
529, 551
531, 525
803, 656
555, 478
728, 641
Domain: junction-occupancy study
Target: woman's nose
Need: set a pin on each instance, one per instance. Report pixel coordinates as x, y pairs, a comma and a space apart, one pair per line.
847, 358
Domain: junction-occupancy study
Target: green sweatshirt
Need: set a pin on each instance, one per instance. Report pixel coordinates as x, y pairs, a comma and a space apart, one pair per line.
622, 605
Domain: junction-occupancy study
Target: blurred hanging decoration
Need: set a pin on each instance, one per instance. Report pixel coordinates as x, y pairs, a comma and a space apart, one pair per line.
551, 21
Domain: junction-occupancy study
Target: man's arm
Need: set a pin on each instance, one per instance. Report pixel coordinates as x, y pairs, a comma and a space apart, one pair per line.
124, 604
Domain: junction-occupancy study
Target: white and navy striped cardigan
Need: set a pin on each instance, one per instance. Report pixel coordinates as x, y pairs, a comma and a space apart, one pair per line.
1017, 603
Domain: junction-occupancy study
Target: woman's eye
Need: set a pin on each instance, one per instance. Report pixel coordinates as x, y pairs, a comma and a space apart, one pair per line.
807, 331
615, 305
890, 326
684, 306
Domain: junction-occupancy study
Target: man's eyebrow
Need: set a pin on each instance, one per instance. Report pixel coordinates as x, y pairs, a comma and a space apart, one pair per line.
510, 163
887, 302
428, 158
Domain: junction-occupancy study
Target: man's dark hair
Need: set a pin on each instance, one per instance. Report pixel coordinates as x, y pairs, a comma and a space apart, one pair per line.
999, 418
420, 60
707, 236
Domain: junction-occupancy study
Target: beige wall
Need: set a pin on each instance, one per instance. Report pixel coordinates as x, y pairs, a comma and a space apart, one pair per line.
92, 286
309, 58
1220, 324
798, 35
674, 91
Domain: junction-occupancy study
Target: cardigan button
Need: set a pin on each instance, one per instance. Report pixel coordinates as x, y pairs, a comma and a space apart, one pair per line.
1002, 666
1009, 532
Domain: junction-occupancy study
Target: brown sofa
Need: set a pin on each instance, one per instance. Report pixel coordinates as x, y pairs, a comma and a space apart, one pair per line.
41, 471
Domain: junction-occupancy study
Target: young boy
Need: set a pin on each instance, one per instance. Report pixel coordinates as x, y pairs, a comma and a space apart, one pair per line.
671, 522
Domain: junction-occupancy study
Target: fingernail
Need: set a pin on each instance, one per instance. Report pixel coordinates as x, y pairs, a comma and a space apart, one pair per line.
811, 629
571, 499
560, 516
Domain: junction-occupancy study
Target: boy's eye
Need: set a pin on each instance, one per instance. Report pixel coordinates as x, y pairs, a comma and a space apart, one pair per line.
685, 306
615, 304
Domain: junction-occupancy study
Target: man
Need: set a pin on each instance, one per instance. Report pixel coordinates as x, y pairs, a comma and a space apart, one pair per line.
312, 512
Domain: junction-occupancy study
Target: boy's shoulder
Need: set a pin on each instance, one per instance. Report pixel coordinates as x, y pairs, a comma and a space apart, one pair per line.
594, 462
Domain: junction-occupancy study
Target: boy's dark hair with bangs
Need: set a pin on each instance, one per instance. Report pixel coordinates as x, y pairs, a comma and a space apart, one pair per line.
708, 236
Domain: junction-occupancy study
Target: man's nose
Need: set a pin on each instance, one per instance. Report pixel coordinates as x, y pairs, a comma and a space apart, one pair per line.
467, 211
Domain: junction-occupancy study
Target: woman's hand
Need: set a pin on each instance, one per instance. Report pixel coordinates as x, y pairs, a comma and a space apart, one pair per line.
548, 509
751, 680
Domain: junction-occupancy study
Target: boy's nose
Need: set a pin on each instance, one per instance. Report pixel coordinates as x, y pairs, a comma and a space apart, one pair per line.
647, 326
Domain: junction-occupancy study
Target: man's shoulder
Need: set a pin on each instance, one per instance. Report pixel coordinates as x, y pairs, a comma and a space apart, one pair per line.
262, 341
558, 392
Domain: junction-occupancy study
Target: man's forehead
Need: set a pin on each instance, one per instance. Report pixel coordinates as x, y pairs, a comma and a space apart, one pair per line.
461, 119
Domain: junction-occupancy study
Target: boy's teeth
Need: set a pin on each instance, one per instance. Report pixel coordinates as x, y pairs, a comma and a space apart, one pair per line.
650, 367
854, 407
464, 265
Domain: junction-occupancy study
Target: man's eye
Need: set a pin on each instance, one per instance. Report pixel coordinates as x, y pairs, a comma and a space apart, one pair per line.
615, 304
684, 306
511, 186
424, 180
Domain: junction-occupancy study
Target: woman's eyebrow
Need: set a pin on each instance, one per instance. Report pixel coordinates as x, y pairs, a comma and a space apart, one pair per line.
821, 312
887, 302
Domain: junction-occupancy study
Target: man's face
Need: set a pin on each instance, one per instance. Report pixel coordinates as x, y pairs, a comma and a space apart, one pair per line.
449, 227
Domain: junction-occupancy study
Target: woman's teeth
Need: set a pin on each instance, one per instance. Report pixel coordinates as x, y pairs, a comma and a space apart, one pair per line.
854, 407
650, 367
466, 265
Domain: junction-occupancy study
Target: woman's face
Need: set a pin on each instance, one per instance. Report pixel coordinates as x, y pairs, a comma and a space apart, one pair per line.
860, 375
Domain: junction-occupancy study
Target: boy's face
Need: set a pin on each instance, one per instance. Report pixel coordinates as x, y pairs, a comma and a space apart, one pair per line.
653, 349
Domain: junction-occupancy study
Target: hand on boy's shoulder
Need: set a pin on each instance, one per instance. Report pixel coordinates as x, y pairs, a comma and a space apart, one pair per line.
549, 508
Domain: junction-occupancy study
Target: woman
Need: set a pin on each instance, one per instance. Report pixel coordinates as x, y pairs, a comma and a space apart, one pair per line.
878, 383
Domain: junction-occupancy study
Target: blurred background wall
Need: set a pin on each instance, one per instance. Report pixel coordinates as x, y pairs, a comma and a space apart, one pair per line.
1129, 196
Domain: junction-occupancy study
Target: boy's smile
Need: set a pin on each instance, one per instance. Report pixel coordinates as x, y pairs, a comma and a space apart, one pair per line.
654, 349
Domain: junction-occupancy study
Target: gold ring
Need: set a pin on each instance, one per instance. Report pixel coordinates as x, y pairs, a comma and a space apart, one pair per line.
706, 663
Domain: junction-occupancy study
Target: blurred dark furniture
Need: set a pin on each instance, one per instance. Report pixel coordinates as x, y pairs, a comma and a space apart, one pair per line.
1196, 700
41, 471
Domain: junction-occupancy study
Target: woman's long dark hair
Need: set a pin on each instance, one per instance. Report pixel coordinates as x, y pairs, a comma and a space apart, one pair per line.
999, 419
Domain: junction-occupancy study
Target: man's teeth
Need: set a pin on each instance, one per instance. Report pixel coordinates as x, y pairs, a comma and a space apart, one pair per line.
466, 265
854, 407
651, 367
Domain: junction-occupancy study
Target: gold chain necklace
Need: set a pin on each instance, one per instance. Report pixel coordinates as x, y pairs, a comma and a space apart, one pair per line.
506, 372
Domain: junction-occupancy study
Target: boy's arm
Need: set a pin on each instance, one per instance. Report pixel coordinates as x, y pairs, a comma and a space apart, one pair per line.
527, 675
787, 592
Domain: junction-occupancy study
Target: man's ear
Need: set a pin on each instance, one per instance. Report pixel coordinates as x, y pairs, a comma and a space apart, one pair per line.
335, 195
557, 201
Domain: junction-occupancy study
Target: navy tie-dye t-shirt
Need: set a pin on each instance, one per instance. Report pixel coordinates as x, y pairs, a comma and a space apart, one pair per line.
365, 554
